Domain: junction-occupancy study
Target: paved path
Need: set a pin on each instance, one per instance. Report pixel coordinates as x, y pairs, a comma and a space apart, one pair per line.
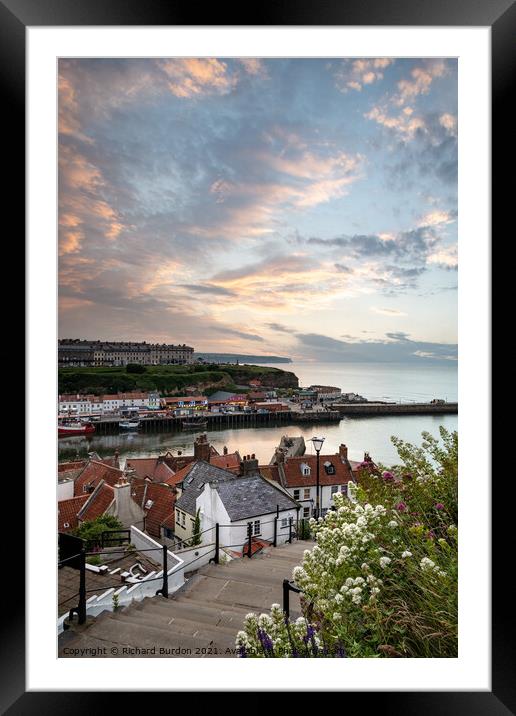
200, 620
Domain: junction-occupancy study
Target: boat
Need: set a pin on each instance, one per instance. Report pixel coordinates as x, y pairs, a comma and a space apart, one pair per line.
65, 429
194, 423
129, 424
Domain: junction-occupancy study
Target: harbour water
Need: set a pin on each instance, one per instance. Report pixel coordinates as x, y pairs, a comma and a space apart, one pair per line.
397, 382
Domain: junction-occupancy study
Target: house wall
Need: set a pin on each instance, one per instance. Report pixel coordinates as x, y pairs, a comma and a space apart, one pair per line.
65, 490
325, 496
235, 533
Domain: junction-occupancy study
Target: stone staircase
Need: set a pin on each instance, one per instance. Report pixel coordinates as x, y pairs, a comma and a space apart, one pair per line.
200, 620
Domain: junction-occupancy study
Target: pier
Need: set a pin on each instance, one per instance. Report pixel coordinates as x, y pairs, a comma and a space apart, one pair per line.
351, 409
217, 421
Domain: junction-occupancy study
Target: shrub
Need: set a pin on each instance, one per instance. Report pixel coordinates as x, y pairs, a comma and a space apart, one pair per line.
135, 368
382, 577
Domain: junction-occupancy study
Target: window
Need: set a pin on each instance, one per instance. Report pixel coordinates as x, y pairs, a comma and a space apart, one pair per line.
183, 519
344, 489
169, 533
306, 494
306, 513
257, 527
284, 522
296, 494
334, 489
306, 470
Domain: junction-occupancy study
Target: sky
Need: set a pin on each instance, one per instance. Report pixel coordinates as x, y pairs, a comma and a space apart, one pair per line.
297, 207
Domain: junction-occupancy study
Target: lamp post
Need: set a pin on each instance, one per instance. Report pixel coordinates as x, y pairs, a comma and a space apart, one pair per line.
317, 443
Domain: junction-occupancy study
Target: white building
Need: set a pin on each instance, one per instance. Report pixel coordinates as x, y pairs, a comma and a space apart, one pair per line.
234, 504
83, 405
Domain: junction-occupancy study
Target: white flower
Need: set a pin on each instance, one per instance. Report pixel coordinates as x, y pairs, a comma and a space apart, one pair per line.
426, 564
406, 554
365, 566
336, 617
393, 524
384, 561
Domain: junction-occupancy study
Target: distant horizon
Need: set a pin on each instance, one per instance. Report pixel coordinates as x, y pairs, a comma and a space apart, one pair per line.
280, 206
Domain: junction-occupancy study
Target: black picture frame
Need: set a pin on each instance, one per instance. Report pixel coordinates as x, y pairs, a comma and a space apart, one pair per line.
500, 15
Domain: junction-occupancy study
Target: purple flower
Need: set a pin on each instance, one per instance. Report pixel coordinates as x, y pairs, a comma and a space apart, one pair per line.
265, 640
439, 506
387, 476
242, 653
430, 535
401, 507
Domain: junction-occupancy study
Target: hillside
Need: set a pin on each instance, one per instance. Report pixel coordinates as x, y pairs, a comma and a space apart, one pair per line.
171, 379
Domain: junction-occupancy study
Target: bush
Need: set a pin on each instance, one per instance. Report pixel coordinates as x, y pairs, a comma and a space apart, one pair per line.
135, 368
91, 531
382, 577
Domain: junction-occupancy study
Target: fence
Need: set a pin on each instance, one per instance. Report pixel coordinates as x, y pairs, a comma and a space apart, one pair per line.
173, 565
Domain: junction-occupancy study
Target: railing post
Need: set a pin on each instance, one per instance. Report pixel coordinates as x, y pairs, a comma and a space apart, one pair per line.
216, 543
290, 530
286, 595
81, 610
164, 589
275, 532
249, 535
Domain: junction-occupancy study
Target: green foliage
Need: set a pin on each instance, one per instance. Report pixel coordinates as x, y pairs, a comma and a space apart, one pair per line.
91, 530
167, 379
135, 368
196, 538
94, 559
381, 580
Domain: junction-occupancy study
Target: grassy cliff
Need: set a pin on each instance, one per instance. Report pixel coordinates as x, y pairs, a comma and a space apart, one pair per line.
170, 379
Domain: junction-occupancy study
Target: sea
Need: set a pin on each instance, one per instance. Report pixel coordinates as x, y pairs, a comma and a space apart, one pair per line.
374, 381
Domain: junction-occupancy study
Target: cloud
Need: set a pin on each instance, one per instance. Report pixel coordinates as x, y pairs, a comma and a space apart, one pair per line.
354, 74
192, 77
421, 79
280, 328
398, 347
387, 311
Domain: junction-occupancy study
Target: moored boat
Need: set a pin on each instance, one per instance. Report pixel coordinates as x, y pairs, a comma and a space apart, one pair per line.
70, 428
194, 423
129, 424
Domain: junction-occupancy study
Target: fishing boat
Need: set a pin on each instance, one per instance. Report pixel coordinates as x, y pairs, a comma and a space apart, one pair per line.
129, 424
67, 428
194, 423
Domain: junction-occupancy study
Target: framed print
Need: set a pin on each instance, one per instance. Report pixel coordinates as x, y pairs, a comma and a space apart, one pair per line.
258, 290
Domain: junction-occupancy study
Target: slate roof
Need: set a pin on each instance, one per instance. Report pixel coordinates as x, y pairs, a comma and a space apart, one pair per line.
200, 473
252, 496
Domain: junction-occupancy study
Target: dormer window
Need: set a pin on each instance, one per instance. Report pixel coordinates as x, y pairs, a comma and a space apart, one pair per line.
149, 504
305, 469
329, 468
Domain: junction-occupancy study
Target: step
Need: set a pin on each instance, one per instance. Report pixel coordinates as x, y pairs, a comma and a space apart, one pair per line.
234, 601
230, 619
129, 631
177, 625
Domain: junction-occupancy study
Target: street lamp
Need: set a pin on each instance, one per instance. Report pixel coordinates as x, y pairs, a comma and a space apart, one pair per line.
317, 443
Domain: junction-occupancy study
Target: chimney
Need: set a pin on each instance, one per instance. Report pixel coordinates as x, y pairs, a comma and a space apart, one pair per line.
249, 466
343, 451
126, 508
279, 456
202, 448
225, 450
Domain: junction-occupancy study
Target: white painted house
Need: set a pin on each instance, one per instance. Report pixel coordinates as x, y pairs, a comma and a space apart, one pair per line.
236, 503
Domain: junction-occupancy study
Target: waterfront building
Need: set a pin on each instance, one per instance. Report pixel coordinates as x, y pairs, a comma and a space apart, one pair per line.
77, 352
185, 404
298, 475
326, 392
83, 405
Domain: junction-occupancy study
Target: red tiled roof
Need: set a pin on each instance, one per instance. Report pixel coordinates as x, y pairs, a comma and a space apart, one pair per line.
293, 472
180, 475
67, 511
93, 473
76, 465
152, 467
229, 462
256, 545
163, 505
98, 503
270, 472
